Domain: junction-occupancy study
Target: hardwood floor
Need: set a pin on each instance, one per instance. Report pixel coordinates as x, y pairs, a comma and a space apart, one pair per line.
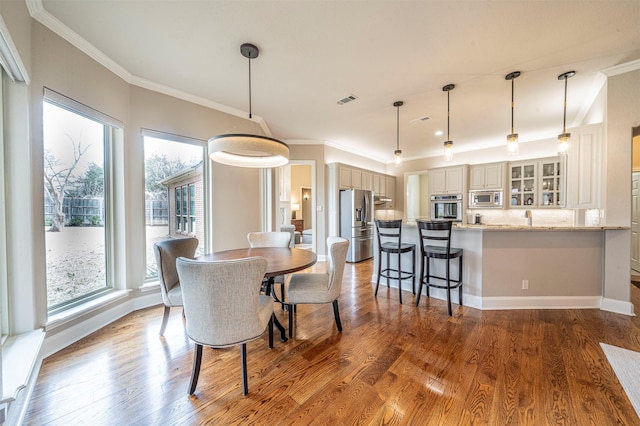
393, 364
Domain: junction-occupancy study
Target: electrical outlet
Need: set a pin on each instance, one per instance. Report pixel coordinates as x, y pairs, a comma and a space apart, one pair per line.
525, 284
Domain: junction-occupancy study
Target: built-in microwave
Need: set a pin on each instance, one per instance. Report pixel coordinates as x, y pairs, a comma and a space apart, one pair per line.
446, 207
484, 199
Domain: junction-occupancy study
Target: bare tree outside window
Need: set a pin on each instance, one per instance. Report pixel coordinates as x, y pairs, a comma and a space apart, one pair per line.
74, 158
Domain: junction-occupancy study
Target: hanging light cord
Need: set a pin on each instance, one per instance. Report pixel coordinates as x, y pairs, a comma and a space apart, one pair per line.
564, 117
249, 86
448, 115
398, 128
512, 105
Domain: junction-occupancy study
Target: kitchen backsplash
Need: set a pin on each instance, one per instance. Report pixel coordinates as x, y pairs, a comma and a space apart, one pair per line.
540, 217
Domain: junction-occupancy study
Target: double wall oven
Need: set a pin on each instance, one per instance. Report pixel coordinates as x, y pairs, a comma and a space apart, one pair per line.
446, 207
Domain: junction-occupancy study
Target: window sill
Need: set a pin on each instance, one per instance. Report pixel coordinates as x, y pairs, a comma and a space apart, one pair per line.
71, 314
19, 356
149, 286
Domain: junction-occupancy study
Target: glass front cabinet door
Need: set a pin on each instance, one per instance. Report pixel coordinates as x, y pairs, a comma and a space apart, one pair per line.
523, 184
537, 183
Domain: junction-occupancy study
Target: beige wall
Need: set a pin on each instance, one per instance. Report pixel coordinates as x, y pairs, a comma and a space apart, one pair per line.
636, 154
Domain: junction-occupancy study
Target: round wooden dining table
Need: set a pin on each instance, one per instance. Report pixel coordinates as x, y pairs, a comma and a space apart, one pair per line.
280, 261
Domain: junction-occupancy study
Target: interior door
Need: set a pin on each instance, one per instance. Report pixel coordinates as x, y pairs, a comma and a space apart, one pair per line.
635, 222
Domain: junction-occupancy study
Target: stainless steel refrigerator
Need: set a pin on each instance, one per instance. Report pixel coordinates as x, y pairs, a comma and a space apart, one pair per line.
356, 223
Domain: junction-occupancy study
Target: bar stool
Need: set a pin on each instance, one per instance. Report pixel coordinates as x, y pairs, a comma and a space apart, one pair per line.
390, 242
435, 243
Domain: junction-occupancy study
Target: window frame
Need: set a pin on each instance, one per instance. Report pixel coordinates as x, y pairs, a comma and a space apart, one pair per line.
112, 134
152, 281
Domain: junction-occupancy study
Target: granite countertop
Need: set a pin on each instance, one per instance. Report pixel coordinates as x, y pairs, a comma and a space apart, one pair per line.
538, 227
534, 227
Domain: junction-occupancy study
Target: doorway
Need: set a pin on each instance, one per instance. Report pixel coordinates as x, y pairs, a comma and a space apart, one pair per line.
635, 207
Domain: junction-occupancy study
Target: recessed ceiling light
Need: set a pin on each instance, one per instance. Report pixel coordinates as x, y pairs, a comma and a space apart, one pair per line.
438, 133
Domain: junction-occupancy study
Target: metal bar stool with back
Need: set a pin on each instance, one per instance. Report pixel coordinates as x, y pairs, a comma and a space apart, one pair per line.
390, 242
435, 243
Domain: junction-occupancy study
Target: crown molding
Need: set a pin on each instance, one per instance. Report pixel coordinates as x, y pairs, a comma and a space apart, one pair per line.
622, 68
40, 14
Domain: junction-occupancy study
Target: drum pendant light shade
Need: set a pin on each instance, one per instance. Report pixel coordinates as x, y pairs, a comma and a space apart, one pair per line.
448, 144
563, 138
512, 138
246, 150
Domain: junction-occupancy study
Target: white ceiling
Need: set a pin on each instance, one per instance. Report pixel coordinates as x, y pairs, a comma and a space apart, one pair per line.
313, 53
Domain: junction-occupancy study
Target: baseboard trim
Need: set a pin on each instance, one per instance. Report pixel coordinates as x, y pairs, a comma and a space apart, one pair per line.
529, 302
617, 306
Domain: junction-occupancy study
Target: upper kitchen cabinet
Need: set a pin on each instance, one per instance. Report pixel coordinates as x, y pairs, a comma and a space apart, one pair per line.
447, 180
350, 178
367, 181
537, 183
390, 191
487, 176
584, 167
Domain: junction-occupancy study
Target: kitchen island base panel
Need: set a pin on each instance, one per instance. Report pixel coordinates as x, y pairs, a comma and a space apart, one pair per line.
566, 268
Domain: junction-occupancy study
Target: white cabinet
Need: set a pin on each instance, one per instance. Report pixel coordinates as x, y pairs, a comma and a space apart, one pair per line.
367, 181
584, 165
390, 189
447, 180
551, 182
356, 179
345, 177
537, 183
487, 176
378, 185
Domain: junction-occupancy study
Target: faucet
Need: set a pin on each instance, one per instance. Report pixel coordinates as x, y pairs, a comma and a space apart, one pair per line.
529, 217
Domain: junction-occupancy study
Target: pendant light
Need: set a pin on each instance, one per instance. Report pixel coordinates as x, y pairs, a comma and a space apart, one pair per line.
512, 139
448, 144
398, 151
246, 150
563, 138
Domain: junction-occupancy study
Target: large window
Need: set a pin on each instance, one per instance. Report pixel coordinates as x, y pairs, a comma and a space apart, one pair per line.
174, 192
76, 202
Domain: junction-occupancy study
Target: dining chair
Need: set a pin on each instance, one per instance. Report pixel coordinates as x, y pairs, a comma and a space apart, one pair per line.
166, 253
435, 243
224, 307
316, 287
271, 239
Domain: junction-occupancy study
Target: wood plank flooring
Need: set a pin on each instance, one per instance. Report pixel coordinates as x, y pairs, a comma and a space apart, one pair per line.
393, 364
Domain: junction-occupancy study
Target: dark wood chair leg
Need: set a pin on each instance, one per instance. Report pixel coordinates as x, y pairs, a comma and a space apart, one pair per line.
336, 314
195, 371
413, 271
428, 260
449, 287
388, 271
399, 276
460, 278
379, 271
292, 309
243, 360
270, 326
165, 319
420, 280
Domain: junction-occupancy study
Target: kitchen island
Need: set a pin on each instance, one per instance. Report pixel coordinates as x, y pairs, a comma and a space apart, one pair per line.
533, 267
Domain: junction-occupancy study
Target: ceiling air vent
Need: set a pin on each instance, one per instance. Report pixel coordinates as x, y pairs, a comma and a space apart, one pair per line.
347, 99
419, 119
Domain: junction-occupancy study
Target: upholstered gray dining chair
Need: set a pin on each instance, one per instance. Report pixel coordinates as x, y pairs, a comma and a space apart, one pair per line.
271, 239
291, 229
166, 253
314, 287
224, 307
